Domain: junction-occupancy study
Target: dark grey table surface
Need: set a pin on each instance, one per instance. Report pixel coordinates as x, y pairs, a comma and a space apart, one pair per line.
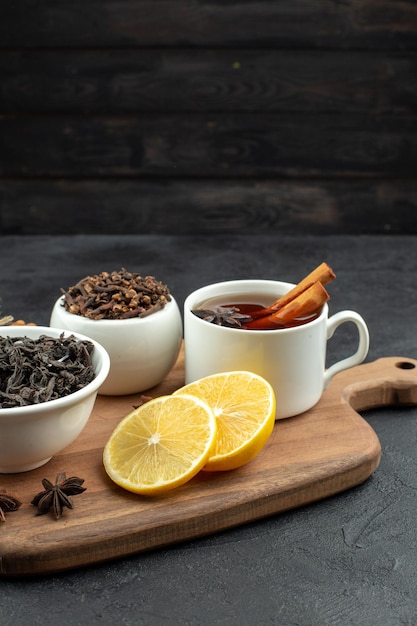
347, 560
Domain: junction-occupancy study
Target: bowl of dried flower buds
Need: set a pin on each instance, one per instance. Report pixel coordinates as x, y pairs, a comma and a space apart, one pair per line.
135, 318
49, 380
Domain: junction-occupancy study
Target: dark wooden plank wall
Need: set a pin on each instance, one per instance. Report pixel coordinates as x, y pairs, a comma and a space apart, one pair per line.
183, 116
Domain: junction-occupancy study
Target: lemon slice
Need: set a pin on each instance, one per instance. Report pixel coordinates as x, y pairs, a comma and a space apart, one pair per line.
244, 406
160, 445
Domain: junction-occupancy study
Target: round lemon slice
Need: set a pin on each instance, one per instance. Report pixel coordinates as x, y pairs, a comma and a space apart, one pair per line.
160, 445
244, 406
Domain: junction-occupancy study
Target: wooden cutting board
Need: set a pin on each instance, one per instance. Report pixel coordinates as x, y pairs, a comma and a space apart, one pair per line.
322, 452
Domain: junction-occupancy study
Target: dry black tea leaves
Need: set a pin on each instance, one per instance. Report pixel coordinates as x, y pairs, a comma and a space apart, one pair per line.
38, 370
116, 295
57, 496
8, 504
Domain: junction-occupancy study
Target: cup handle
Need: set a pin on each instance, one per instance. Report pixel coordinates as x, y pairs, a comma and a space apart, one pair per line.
355, 359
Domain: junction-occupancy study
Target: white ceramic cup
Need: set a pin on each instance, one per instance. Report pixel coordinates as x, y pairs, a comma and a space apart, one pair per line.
292, 359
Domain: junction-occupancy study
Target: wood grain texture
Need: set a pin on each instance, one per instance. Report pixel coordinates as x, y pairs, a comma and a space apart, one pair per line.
206, 80
309, 457
216, 145
302, 23
207, 206
153, 94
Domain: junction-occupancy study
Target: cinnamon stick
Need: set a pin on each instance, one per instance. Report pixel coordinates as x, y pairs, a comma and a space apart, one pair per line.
323, 274
306, 303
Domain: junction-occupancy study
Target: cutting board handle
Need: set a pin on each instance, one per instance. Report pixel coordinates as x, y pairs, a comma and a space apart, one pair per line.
389, 381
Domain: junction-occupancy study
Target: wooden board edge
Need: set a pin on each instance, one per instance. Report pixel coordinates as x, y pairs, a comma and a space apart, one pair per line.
29, 562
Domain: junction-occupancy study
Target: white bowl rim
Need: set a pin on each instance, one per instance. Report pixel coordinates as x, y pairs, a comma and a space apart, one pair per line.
147, 319
72, 398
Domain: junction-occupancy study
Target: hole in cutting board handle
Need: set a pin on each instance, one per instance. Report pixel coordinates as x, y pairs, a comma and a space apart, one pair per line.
405, 365
388, 381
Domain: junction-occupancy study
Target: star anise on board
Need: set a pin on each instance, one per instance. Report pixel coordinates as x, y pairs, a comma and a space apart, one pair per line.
8, 503
223, 316
56, 496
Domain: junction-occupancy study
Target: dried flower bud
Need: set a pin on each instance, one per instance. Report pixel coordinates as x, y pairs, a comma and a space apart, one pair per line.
116, 295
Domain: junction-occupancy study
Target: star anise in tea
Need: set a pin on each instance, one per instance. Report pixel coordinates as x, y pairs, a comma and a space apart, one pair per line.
8, 503
223, 316
56, 496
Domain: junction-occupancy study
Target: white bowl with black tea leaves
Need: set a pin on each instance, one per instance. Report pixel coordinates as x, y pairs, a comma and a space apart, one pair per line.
143, 348
38, 366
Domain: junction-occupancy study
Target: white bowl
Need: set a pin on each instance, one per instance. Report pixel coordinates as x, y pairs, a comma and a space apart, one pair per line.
142, 350
31, 435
